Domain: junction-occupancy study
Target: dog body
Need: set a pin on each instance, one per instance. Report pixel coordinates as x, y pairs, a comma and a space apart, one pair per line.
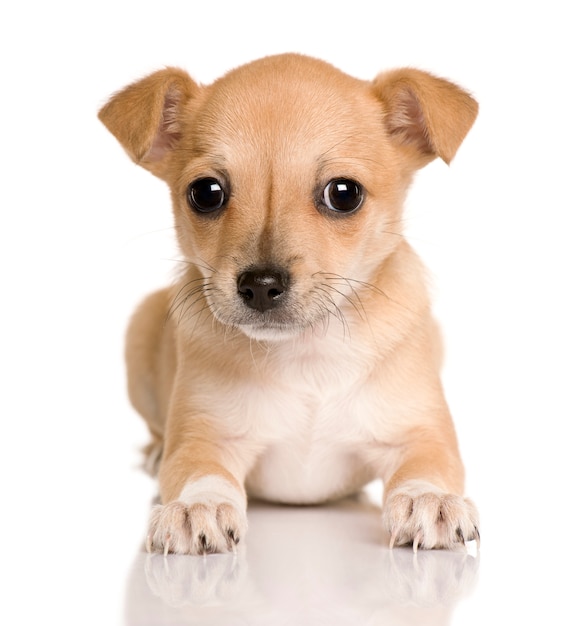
296, 357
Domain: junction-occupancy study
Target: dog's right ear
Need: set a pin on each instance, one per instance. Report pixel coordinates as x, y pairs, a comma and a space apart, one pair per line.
145, 116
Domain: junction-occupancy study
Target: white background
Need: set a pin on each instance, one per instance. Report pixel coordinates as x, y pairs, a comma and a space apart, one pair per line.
84, 234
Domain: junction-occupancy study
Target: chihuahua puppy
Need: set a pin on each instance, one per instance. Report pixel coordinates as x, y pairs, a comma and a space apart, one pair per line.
296, 358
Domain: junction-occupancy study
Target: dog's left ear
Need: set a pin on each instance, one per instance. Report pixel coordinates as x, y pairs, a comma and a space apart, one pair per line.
145, 116
428, 116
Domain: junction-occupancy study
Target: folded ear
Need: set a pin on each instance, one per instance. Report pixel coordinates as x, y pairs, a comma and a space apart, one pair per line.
145, 116
425, 113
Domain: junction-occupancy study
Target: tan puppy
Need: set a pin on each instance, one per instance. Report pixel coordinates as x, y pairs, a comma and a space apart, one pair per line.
296, 358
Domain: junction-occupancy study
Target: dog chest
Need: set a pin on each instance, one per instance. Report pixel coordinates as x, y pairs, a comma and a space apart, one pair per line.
313, 438
302, 418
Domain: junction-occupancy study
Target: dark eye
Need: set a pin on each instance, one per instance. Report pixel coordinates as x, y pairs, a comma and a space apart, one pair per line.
206, 195
343, 195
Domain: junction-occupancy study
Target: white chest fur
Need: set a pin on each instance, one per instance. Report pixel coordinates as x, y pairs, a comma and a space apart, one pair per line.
310, 414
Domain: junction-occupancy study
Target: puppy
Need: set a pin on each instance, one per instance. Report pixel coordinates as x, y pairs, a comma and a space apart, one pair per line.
296, 358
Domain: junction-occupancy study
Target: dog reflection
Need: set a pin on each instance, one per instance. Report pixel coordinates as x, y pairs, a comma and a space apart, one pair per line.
299, 565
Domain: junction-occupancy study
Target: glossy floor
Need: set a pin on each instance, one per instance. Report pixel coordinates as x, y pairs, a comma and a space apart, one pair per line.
331, 565
311, 565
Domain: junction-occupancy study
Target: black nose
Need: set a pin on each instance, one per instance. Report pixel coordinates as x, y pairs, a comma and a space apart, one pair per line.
262, 289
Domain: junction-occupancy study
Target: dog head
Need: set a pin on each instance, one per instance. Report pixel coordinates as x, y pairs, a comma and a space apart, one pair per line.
287, 177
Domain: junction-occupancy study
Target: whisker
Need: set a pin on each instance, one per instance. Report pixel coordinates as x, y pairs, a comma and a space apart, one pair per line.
204, 265
205, 307
375, 289
361, 283
182, 297
360, 308
336, 310
331, 277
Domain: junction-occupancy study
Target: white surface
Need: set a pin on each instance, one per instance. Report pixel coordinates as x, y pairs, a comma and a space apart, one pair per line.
84, 234
316, 565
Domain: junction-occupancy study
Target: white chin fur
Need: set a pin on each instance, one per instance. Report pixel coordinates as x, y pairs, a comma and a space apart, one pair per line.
260, 333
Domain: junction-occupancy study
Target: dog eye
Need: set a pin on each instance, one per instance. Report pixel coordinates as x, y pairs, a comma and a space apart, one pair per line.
206, 195
343, 195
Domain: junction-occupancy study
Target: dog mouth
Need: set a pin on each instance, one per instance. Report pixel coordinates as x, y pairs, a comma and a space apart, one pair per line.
280, 322
264, 304
272, 331
268, 304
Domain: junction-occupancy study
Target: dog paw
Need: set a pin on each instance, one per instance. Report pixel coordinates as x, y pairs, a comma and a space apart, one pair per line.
426, 517
198, 528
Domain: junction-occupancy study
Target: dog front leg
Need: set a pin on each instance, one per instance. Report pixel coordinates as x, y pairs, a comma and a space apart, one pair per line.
203, 506
423, 502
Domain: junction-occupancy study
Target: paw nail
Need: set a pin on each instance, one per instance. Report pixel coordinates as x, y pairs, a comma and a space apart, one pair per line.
233, 538
205, 547
417, 540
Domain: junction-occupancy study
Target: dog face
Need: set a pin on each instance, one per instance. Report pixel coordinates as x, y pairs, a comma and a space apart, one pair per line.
287, 178
289, 193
